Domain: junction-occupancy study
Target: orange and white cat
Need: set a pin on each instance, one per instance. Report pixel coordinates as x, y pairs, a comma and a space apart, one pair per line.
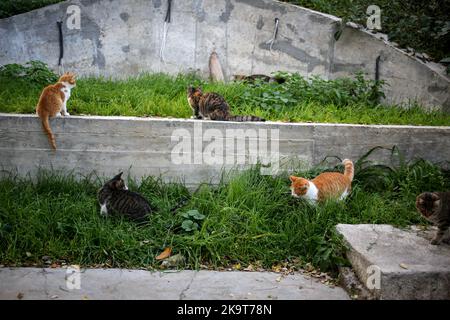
53, 103
327, 185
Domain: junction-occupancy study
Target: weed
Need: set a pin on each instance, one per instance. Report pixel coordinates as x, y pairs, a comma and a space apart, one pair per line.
299, 100
247, 218
34, 73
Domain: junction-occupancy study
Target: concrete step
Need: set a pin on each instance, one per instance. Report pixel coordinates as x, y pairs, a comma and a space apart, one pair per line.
93, 284
398, 264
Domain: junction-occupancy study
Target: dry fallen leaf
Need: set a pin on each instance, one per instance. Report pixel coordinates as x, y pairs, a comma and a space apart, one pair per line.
276, 268
20, 295
237, 266
165, 254
404, 266
249, 268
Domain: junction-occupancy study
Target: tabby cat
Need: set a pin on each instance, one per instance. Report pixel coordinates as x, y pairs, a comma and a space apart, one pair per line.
213, 106
53, 102
115, 197
327, 185
435, 207
259, 77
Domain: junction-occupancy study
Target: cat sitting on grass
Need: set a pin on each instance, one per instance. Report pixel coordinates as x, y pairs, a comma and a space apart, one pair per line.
53, 103
327, 185
114, 197
435, 207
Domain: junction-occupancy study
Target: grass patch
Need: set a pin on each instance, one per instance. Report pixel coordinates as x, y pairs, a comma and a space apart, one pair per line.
248, 218
297, 100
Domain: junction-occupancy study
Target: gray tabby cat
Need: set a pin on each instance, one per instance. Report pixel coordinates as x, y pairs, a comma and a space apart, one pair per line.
435, 207
114, 197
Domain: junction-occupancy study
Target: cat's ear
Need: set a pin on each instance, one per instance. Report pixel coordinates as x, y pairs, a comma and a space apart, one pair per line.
435, 197
199, 89
293, 178
190, 90
118, 177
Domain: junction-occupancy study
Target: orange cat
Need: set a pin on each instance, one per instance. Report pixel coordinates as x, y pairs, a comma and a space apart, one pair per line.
53, 102
327, 185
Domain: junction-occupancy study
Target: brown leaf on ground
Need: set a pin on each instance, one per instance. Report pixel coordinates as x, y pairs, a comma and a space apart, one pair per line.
249, 268
165, 254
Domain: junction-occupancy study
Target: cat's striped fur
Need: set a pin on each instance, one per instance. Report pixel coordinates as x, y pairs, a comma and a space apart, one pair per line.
327, 185
213, 106
435, 207
114, 197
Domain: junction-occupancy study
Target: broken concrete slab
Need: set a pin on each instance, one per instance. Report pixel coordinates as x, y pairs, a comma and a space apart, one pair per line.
99, 284
398, 264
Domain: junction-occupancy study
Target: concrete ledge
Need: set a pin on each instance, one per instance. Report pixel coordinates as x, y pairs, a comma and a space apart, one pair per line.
146, 146
398, 264
98, 284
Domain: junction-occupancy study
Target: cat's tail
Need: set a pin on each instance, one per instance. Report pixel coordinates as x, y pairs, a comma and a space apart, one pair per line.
349, 170
244, 118
48, 131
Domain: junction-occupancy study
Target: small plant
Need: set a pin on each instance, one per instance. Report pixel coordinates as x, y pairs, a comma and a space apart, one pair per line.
34, 72
192, 220
297, 89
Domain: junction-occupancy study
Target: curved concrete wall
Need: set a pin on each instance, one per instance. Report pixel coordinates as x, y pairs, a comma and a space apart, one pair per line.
120, 38
148, 146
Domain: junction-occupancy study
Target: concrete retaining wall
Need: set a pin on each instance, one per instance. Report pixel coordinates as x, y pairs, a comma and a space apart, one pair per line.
122, 38
147, 146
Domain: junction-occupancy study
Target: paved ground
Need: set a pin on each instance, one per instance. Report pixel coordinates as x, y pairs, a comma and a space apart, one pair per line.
397, 263
36, 283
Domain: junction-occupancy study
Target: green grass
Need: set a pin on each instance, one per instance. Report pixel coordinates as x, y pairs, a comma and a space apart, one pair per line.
249, 219
165, 96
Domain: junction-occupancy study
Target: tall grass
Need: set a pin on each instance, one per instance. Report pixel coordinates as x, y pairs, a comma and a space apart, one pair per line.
165, 96
249, 218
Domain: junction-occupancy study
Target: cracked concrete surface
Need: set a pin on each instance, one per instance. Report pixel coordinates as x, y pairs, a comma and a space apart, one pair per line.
50, 284
407, 265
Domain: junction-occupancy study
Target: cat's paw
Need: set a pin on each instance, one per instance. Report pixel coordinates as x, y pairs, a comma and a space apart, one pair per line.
435, 242
58, 114
66, 114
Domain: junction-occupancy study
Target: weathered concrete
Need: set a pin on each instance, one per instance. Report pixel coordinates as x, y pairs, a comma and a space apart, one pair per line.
123, 38
409, 267
358, 49
151, 146
99, 284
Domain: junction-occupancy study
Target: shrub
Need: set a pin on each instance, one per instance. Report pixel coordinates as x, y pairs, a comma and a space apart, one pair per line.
34, 72
297, 89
